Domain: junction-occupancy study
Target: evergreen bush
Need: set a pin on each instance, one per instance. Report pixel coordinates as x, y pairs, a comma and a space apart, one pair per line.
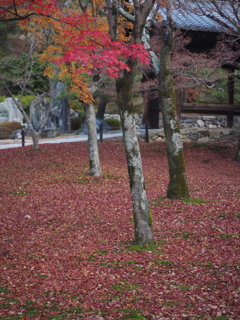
114, 124
6, 128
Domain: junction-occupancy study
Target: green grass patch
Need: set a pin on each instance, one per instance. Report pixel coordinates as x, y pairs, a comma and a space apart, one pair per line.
133, 314
212, 147
184, 235
205, 161
4, 289
217, 147
20, 193
163, 262
12, 318
171, 303
125, 286
237, 215
163, 201
226, 236
184, 287
58, 316
55, 164
194, 200
142, 247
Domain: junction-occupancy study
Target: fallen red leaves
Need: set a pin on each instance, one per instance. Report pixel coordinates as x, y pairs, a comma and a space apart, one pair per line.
66, 248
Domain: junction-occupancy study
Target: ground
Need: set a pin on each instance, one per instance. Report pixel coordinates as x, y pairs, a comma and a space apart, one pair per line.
66, 245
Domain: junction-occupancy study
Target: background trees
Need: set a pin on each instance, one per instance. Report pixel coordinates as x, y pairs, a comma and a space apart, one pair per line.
224, 14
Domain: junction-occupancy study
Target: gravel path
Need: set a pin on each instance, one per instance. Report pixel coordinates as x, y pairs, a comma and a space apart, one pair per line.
16, 143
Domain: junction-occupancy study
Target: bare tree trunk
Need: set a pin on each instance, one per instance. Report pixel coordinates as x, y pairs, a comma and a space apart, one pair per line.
35, 139
94, 162
177, 187
237, 156
101, 108
141, 212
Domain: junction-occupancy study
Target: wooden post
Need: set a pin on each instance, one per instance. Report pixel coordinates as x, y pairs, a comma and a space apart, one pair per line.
230, 96
146, 133
23, 137
179, 101
101, 132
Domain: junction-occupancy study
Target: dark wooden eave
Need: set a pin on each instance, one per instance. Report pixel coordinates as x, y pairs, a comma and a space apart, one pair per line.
223, 109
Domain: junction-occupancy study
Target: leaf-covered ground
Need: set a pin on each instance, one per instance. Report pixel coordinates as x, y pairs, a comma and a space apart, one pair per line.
66, 250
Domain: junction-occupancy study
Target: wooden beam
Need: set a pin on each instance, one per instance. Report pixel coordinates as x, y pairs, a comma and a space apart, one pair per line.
224, 109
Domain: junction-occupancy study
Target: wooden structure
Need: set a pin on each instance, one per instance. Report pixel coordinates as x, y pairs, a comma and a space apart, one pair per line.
204, 33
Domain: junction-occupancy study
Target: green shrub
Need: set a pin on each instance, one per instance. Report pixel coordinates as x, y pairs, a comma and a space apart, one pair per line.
6, 128
76, 123
114, 124
75, 105
26, 102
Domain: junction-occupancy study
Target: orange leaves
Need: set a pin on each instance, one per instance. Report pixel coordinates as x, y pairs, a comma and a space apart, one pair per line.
75, 46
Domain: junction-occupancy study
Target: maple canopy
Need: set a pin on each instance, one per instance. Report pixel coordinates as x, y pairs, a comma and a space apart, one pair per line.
80, 47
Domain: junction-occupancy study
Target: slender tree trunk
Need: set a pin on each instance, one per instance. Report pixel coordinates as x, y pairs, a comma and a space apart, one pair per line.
177, 187
35, 139
237, 156
101, 108
94, 162
141, 212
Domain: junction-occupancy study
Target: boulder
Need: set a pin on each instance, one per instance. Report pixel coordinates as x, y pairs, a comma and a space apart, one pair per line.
200, 123
9, 111
39, 112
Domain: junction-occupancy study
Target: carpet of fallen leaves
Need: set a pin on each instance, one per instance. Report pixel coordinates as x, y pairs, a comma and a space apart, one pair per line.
66, 238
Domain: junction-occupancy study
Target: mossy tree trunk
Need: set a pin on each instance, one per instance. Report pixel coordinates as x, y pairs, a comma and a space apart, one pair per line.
141, 212
177, 187
237, 157
124, 86
94, 162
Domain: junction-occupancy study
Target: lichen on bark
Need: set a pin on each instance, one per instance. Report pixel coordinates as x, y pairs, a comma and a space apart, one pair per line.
141, 212
94, 162
177, 187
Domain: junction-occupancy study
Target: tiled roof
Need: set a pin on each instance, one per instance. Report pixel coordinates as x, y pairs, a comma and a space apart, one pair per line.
189, 16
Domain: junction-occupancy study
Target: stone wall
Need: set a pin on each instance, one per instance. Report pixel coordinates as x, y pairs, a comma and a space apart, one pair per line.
193, 128
200, 129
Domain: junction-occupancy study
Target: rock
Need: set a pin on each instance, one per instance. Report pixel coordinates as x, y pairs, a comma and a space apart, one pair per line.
225, 131
9, 111
212, 126
17, 134
39, 112
215, 122
204, 132
203, 140
200, 123
185, 131
188, 120
207, 118
159, 139
193, 136
73, 114
215, 134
